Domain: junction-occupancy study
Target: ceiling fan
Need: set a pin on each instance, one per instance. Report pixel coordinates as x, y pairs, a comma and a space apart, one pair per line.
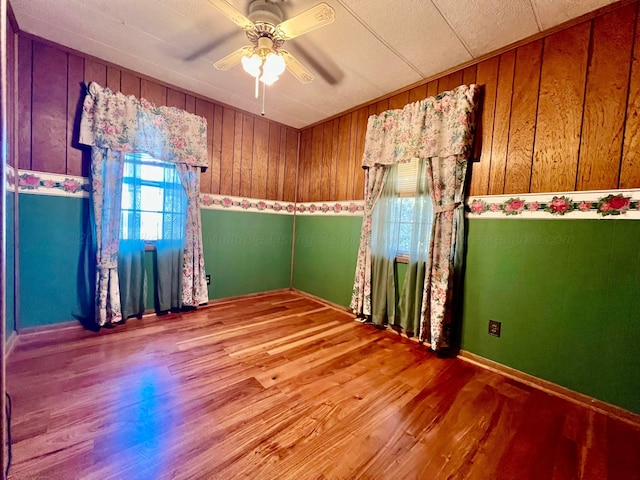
266, 29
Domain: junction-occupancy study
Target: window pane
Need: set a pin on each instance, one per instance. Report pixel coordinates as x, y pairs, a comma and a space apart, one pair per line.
127, 196
126, 224
150, 226
406, 209
152, 173
151, 198
404, 238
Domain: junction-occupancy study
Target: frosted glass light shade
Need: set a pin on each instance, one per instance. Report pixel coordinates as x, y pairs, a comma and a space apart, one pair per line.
274, 65
252, 65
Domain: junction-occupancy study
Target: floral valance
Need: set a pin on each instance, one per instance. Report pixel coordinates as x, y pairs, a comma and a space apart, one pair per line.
439, 126
124, 123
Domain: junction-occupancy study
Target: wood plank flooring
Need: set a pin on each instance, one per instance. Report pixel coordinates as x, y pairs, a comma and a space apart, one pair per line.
280, 386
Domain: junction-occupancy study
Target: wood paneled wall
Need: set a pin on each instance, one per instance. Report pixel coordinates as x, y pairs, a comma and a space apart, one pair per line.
560, 113
248, 155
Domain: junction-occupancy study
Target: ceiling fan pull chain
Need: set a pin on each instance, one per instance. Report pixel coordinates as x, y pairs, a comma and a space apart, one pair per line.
257, 86
264, 94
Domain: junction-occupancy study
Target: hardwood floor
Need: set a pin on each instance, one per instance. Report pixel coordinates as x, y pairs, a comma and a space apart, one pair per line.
283, 387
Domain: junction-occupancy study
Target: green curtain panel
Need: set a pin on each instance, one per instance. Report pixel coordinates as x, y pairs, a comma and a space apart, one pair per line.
132, 278
411, 296
385, 224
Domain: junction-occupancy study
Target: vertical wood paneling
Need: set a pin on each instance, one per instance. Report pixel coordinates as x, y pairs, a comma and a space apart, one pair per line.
630, 166
226, 156
382, 106
51, 94
499, 147
11, 106
190, 103
363, 117
455, 79
175, 99
273, 164
260, 158
25, 75
469, 75
444, 83
130, 84
93, 71
487, 78
75, 97
49, 109
399, 101
304, 164
237, 154
353, 144
523, 117
334, 157
282, 163
291, 166
560, 106
418, 93
605, 100
328, 174
154, 92
216, 148
432, 88
113, 79
344, 166
203, 109
316, 163
247, 155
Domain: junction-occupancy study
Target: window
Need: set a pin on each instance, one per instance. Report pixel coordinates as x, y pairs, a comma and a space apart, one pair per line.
407, 186
154, 203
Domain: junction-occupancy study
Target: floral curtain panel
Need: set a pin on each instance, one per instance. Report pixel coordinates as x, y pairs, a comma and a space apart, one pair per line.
446, 179
126, 124
439, 126
194, 281
440, 130
106, 175
114, 124
374, 180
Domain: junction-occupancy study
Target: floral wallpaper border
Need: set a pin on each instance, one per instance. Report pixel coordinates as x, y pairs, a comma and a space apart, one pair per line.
238, 204
42, 183
605, 204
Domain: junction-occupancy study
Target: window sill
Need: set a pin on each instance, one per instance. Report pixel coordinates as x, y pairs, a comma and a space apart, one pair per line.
402, 259
149, 247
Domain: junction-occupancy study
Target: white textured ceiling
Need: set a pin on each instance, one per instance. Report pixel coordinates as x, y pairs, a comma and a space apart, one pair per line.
374, 47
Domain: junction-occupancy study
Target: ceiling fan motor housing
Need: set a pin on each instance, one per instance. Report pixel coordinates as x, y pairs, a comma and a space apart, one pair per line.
265, 11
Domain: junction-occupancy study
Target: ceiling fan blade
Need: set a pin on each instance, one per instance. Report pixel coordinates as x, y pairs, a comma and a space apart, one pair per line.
211, 46
234, 58
233, 14
316, 17
296, 68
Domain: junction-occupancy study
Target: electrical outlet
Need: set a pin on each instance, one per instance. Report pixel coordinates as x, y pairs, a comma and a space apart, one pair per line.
208, 279
494, 328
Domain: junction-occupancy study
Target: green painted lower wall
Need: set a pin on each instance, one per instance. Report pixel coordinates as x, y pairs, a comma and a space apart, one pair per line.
55, 261
244, 253
9, 272
568, 295
325, 256
566, 291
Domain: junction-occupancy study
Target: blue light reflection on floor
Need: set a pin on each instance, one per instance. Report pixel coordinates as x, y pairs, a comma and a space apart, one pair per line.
146, 418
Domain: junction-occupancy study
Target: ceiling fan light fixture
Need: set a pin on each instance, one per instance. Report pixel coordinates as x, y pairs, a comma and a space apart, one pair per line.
251, 65
274, 65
